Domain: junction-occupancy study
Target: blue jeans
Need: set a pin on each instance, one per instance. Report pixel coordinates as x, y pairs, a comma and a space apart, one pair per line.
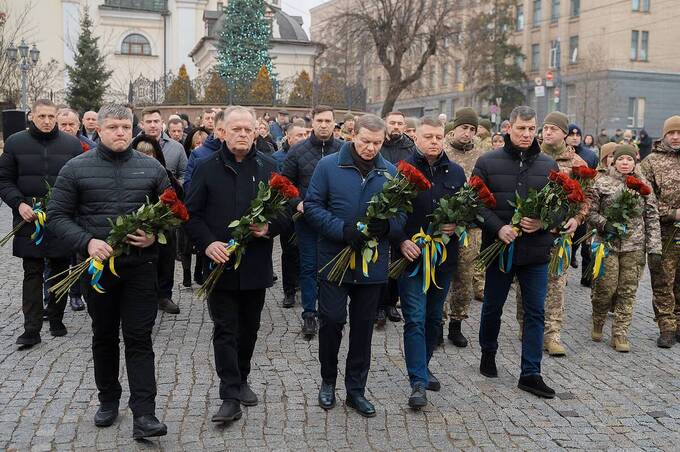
533, 280
307, 243
422, 321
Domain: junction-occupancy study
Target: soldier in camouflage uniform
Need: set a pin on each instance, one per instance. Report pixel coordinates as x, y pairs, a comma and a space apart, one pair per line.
626, 259
460, 148
662, 169
483, 137
554, 130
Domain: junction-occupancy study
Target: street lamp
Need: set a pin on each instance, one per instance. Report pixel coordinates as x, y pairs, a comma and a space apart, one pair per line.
26, 59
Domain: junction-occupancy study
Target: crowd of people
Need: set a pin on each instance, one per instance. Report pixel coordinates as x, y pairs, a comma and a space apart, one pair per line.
109, 165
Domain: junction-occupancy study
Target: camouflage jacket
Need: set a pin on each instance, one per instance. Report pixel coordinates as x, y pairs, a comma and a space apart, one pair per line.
483, 143
643, 230
662, 169
567, 159
466, 159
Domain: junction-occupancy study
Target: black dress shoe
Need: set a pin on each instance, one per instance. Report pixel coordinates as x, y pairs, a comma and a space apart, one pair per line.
106, 414
247, 396
380, 318
309, 325
393, 314
167, 305
57, 328
288, 300
361, 405
418, 397
77, 303
228, 412
148, 426
487, 365
433, 383
327, 396
29, 339
535, 385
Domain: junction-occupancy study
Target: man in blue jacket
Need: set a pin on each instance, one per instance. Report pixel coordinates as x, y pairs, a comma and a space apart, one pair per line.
515, 169
423, 311
299, 166
337, 198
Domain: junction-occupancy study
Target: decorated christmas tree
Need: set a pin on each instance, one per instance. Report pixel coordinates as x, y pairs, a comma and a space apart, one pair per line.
262, 91
301, 95
88, 77
243, 44
180, 90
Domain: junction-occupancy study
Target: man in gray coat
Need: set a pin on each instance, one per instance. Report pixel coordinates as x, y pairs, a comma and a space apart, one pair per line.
173, 152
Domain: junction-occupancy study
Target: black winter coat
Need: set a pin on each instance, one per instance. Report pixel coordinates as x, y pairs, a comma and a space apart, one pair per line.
400, 149
447, 178
508, 171
101, 185
302, 159
31, 160
221, 192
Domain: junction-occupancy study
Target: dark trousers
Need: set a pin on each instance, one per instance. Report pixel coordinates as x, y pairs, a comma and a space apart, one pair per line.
32, 294
73, 292
166, 267
585, 249
236, 318
390, 294
290, 261
533, 281
332, 318
130, 302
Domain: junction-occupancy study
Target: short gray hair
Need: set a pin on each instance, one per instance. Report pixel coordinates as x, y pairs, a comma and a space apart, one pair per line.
522, 112
370, 122
237, 109
429, 121
68, 111
113, 111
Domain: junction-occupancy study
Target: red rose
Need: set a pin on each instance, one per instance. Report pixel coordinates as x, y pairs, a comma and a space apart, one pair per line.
476, 182
180, 211
645, 190
488, 199
414, 176
290, 192
169, 197
583, 172
84, 146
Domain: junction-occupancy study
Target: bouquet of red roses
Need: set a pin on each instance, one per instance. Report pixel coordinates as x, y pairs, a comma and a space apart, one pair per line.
270, 202
628, 204
573, 199
461, 209
395, 197
545, 205
157, 219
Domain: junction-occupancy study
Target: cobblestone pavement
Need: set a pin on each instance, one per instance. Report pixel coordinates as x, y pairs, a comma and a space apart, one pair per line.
606, 400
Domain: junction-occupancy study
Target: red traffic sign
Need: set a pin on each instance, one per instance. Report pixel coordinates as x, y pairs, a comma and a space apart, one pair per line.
549, 75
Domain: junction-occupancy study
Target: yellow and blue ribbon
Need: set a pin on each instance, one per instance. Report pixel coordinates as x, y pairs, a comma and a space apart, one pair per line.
433, 255
506, 265
600, 251
39, 233
95, 270
463, 237
564, 251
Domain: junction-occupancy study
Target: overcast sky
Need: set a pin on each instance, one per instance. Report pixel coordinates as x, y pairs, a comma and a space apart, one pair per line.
300, 8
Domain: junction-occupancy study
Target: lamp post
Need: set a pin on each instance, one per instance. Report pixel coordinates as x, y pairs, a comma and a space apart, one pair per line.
26, 58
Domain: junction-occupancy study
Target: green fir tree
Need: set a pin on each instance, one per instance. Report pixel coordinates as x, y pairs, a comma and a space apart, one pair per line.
88, 77
243, 44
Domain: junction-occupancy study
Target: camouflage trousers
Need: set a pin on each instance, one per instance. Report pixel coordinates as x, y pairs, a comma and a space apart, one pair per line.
554, 306
467, 280
622, 272
666, 287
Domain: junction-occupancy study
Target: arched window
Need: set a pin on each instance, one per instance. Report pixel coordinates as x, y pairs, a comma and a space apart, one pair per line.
135, 44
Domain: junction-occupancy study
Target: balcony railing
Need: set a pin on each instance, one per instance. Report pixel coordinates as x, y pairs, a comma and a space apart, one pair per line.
156, 6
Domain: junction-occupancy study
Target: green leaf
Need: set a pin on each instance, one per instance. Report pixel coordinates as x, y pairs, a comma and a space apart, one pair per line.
162, 239
233, 224
119, 221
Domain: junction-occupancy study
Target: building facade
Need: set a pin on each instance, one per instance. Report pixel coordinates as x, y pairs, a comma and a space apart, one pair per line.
145, 39
606, 64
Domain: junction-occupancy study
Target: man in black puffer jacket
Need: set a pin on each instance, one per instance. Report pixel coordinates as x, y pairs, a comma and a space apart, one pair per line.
299, 166
109, 181
517, 168
31, 160
398, 146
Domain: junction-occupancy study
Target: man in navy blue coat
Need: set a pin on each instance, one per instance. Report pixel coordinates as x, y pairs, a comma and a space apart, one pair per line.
340, 189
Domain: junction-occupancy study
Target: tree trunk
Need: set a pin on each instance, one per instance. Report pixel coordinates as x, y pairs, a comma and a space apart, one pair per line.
393, 93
